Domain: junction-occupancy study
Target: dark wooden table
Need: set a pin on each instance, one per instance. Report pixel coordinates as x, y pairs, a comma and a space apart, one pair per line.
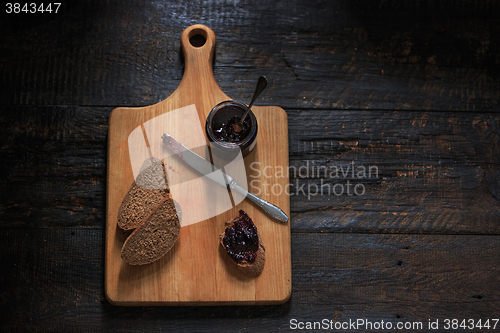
410, 89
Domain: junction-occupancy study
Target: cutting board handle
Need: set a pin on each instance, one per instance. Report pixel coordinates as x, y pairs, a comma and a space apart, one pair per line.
198, 48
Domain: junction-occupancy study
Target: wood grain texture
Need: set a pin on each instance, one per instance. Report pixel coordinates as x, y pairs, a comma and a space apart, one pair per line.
195, 271
435, 170
415, 171
328, 54
53, 166
335, 276
421, 244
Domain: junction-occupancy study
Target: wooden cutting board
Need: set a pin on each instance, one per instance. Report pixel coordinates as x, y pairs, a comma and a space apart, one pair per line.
196, 271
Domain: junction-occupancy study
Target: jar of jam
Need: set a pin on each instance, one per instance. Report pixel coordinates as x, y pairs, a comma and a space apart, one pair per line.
225, 132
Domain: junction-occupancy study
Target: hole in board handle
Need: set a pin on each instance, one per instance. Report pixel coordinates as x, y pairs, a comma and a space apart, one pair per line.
198, 37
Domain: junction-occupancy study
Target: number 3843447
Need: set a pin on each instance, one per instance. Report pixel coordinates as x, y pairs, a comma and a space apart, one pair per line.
32, 8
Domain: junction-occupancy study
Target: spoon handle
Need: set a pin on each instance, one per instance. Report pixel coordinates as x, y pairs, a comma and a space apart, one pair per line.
261, 85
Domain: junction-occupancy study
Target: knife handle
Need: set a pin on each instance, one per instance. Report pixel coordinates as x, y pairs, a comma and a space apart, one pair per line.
268, 207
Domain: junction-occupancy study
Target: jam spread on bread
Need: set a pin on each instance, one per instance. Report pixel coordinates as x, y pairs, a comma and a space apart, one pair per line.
241, 240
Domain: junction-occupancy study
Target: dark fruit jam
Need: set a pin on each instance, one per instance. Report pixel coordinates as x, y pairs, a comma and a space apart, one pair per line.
227, 132
241, 240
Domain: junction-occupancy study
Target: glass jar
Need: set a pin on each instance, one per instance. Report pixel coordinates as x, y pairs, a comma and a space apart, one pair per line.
222, 131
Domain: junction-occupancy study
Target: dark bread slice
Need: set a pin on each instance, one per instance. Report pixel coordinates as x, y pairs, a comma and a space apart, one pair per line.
155, 237
152, 175
242, 242
145, 194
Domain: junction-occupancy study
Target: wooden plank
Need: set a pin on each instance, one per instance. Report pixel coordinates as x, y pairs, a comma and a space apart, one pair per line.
334, 55
53, 280
394, 171
53, 166
436, 170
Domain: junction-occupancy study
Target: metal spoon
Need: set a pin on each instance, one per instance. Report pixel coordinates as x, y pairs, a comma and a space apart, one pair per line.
261, 85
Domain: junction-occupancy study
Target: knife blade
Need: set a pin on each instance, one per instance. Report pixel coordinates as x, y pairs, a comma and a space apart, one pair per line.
207, 169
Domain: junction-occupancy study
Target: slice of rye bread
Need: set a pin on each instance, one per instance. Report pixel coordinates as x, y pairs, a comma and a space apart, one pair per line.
155, 237
249, 268
145, 194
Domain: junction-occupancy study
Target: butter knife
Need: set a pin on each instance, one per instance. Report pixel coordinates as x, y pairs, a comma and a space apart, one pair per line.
207, 169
